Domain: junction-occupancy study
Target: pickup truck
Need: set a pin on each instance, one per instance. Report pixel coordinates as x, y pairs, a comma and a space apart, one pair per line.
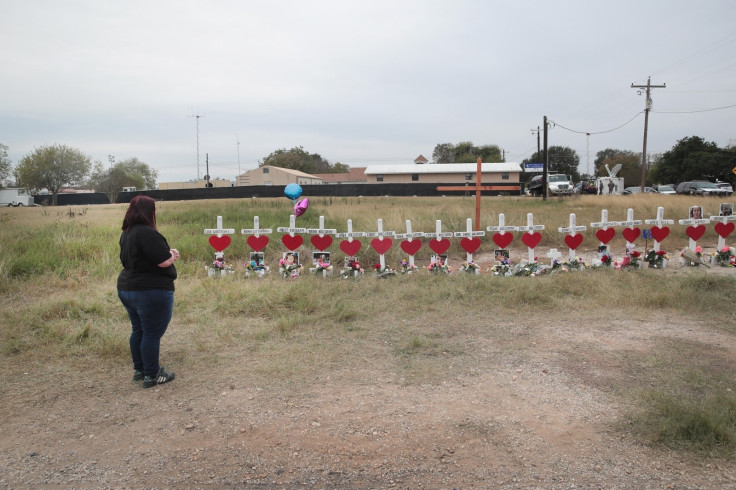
558, 185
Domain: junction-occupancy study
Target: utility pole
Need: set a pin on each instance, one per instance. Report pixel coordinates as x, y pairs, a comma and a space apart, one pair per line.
197, 116
546, 163
237, 180
647, 108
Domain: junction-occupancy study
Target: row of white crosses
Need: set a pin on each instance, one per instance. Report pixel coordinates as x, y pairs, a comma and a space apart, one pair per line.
530, 238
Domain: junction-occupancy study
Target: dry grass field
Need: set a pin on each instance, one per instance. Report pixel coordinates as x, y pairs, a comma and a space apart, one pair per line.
591, 379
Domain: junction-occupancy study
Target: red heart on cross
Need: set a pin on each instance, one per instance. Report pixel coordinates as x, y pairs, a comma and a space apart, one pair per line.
292, 242
220, 243
439, 246
411, 246
660, 234
350, 248
573, 241
631, 234
257, 243
321, 242
606, 235
470, 245
725, 229
503, 240
531, 240
695, 232
381, 246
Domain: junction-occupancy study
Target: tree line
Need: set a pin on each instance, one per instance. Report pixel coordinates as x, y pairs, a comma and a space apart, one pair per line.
56, 167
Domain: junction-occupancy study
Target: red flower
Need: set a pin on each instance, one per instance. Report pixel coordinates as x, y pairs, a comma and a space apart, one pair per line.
661, 253
376, 267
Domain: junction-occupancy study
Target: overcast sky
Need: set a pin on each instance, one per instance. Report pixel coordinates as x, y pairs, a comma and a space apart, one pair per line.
359, 83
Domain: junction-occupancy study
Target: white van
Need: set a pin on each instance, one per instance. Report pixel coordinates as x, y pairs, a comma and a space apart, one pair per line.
16, 197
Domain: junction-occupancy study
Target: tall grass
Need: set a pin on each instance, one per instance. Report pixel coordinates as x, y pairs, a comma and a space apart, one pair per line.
58, 301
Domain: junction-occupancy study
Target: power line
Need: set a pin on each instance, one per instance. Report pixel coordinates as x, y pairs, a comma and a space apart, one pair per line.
696, 110
597, 132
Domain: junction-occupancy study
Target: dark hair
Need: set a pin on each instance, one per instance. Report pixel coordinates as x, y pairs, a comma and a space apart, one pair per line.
142, 211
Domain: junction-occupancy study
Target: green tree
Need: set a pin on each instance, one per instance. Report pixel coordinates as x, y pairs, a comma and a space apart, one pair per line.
466, 152
630, 165
126, 173
53, 168
5, 166
444, 153
299, 159
562, 160
683, 161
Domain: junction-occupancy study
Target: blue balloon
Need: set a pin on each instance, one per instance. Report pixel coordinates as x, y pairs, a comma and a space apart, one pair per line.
293, 191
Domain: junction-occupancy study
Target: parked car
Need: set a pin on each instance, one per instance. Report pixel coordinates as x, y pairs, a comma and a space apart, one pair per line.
726, 187
558, 185
664, 189
586, 187
700, 188
637, 190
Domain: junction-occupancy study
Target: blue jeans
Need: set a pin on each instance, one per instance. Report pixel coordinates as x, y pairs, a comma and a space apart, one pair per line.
150, 312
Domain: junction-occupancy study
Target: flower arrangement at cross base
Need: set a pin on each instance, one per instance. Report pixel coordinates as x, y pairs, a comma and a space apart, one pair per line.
406, 267
383, 272
255, 267
575, 264
502, 269
530, 269
606, 261
352, 268
725, 257
657, 259
322, 266
470, 268
289, 267
439, 266
219, 266
692, 258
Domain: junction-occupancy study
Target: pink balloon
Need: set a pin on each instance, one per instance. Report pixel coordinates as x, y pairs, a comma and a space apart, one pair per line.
301, 207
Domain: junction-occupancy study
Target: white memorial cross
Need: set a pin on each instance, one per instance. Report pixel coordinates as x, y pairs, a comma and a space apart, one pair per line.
723, 220
380, 234
553, 254
409, 236
530, 228
350, 233
292, 227
256, 230
321, 231
604, 224
572, 230
659, 222
469, 233
630, 223
692, 244
219, 231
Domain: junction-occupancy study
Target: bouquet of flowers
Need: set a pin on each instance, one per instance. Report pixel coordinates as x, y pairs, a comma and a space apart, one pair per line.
725, 257
289, 268
406, 267
502, 269
255, 267
383, 272
526, 269
219, 267
606, 261
352, 268
470, 267
322, 265
656, 259
575, 264
438, 266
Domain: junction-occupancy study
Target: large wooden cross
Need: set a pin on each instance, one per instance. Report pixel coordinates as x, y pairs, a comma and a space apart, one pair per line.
478, 188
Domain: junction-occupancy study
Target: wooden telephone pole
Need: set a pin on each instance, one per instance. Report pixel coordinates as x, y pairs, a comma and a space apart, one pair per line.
647, 107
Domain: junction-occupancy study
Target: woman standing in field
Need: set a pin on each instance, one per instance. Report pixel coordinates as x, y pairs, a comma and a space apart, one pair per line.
146, 288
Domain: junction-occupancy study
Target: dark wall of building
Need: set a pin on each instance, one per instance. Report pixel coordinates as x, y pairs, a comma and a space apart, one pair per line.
342, 190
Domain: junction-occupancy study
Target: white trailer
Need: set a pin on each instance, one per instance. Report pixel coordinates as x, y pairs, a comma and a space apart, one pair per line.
16, 197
